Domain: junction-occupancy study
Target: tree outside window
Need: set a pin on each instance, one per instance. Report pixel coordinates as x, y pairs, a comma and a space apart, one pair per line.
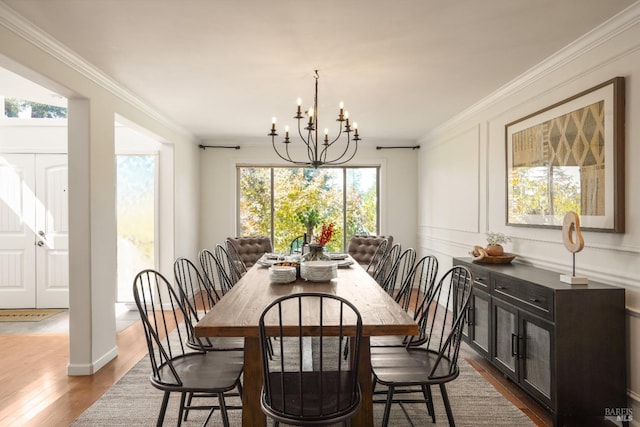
270, 197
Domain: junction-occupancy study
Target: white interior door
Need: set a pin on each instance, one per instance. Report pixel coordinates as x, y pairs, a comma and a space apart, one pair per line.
34, 260
17, 236
52, 231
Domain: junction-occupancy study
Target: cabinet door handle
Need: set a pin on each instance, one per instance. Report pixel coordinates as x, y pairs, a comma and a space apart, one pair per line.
470, 316
514, 345
501, 288
534, 300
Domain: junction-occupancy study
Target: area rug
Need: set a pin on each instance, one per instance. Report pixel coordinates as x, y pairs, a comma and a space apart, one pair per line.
27, 315
132, 401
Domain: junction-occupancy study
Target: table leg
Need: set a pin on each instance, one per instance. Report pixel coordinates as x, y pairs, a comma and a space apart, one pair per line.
252, 415
364, 417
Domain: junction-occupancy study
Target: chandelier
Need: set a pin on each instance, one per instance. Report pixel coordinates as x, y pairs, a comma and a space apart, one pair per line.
317, 150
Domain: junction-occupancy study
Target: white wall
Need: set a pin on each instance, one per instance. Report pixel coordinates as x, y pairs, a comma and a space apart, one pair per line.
462, 168
95, 100
398, 204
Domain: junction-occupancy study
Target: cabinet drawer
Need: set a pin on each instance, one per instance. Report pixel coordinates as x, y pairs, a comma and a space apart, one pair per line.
482, 278
537, 299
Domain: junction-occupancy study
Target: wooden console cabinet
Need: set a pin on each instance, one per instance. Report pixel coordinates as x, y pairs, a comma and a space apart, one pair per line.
563, 344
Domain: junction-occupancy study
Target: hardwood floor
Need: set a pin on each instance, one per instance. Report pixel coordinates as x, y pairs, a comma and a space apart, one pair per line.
36, 390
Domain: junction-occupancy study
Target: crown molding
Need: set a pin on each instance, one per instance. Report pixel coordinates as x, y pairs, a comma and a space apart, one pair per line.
23, 28
609, 29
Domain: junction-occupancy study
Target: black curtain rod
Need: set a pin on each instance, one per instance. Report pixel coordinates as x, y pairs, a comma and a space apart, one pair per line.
413, 147
236, 147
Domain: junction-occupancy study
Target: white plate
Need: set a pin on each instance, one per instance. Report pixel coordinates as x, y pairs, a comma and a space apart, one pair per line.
270, 255
282, 274
319, 271
338, 256
266, 262
345, 263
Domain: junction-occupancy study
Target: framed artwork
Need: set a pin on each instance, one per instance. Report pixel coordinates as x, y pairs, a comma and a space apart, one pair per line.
569, 157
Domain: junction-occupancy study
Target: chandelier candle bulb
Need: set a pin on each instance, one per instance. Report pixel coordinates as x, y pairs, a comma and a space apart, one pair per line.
326, 135
299, 112
310, 115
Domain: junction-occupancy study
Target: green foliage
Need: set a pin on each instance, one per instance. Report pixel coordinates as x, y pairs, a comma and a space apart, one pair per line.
301, 197
255, 202
309, 217
13, 107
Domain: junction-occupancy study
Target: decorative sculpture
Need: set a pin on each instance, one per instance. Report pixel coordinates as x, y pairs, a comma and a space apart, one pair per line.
571, 226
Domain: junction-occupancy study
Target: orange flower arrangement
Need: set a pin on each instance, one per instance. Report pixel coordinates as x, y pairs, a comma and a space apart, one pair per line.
325, 235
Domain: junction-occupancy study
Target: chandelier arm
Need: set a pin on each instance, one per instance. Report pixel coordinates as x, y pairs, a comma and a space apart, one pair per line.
288, 158
326, 146
294, 161
346, 149
336, 162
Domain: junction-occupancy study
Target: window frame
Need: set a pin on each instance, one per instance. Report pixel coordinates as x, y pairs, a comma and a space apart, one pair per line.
344, 194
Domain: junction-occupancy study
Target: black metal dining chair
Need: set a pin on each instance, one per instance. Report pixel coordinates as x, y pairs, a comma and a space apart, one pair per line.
214, 273
308, 382
175, 368
234, 256
377, 257
402, 369
385, 264
297, 244
227, 268
399, 272
199, 297
414, 297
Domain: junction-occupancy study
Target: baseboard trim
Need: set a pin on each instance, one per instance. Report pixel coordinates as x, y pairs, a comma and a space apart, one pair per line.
90, 369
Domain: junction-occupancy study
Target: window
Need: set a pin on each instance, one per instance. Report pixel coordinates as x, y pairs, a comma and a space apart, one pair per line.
21, 108
136, 193
270, 197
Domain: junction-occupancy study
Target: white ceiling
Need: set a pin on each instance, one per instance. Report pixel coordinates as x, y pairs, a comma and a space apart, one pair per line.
222, 68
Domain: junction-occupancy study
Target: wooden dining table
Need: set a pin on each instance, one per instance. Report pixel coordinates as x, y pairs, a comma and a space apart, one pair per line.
238, 312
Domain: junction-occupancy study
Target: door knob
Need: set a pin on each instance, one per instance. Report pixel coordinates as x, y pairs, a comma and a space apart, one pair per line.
40, 243
41, 233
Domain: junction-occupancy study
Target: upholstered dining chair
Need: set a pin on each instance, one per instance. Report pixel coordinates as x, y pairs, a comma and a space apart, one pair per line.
175, 368
251, 248
320, 391
402, 369
363, 247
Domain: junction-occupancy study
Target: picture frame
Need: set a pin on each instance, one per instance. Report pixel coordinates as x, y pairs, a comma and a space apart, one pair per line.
569, 157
